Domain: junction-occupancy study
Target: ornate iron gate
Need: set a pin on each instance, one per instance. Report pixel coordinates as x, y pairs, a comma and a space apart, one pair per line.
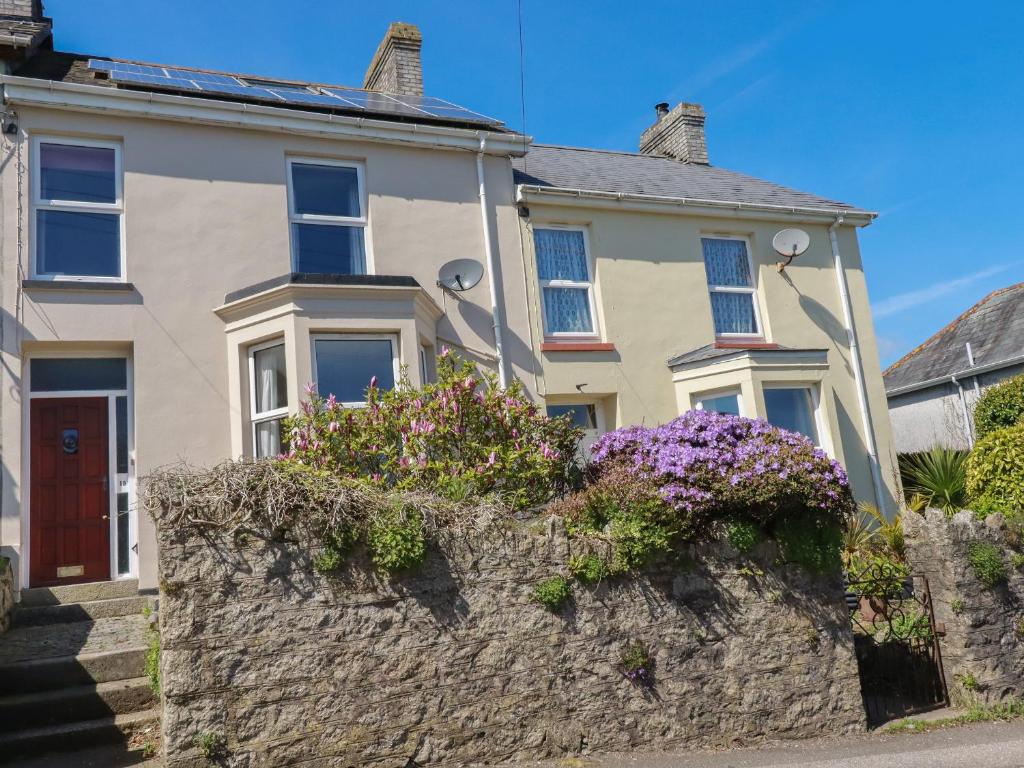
897, 644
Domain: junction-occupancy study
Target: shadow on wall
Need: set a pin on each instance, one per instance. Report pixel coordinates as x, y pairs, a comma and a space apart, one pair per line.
853, 446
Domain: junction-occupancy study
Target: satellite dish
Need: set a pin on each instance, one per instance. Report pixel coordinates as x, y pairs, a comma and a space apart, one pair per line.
460, 275
790, 243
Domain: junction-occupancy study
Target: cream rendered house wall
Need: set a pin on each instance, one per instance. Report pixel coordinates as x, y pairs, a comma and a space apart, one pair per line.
206, 214
653, 304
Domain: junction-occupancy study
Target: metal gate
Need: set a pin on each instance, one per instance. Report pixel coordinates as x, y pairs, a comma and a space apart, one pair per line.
897, 644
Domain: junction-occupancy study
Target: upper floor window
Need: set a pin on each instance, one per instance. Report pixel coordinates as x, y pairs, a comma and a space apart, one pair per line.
327, 211
344, 365
77, 209
269, 397
731, 283
566, 282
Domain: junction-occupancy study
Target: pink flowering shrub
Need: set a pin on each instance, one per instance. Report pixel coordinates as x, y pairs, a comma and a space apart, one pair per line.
702, 475
460, 437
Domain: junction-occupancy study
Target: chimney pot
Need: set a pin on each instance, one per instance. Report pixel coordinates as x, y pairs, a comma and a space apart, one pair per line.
396, 66
678, 133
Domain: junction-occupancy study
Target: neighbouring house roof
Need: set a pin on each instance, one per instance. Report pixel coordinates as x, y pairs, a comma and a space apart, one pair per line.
637, 174
74, 68
994, 327
722, 350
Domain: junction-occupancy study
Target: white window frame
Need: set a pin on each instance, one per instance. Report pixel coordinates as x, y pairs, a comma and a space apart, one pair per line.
751, 291
261, 417
391, 337
37, 203
824, 439
588, 285
698, 398
332, 221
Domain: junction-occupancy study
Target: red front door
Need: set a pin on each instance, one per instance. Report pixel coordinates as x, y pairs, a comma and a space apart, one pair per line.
70, 499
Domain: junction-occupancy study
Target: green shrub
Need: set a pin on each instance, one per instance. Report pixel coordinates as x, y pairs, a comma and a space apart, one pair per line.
1000, 406
878, 575
1017, 561
460, 437
553, 593
995, 471
397, 540
588, 569
152, 662
337, 545
742, 535
987, 563
813, 543
969, 682
638, 664
938, 475
212, 746
957, 605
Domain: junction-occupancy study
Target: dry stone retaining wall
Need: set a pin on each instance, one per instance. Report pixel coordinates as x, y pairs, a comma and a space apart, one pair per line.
984, 637
457, 665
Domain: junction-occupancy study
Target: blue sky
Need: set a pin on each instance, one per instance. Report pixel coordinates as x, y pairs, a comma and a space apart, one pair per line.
903, 108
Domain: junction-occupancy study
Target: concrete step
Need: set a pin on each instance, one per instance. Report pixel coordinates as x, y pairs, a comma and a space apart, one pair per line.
67, 613
115, 756
79, 593
71, 738
74, 704
56, 672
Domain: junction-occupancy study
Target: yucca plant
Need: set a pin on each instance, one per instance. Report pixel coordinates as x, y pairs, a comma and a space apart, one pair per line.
940, 475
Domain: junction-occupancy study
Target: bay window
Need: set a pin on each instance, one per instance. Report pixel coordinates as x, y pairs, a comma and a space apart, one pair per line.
731, 285
327, 215
269, 397
792, 408
566, 282
345, 364
77, 210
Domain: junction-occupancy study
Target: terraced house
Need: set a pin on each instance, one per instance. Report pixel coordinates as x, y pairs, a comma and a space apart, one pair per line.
184, 250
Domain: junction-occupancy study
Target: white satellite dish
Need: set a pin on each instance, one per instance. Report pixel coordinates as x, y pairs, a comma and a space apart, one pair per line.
790, 243
460, 275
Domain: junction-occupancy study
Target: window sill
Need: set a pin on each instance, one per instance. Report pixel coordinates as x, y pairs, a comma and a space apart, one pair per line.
577, 346
752, 342
77, 285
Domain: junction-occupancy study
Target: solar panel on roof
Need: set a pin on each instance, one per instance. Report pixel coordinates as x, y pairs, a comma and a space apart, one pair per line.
346, 99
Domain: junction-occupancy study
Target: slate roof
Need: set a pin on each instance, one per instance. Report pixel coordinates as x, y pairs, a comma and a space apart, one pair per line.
717, 351
74, 68
994, 327
632, 173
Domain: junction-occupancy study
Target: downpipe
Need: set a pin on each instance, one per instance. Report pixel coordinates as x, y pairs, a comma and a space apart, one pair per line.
491, 264
858, 368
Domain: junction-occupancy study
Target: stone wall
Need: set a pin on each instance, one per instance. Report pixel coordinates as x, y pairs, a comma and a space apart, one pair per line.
984, 637
6, 593
456, 664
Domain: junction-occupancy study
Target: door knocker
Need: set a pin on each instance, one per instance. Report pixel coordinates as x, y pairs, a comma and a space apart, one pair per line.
69, 442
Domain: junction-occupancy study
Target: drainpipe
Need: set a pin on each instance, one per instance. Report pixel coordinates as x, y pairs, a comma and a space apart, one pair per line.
964, 412
858, 368
491, 263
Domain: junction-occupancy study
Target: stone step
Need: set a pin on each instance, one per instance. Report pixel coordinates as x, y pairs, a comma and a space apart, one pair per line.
75, 703
67, 613
71, 738
56, 672
114, 756
79, 593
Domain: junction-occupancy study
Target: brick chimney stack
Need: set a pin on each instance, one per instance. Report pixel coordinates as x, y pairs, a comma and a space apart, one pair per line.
396, 66
678, 134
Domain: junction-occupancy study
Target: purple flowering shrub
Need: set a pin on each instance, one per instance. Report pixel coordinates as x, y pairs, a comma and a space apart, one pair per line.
460, 437
694, 477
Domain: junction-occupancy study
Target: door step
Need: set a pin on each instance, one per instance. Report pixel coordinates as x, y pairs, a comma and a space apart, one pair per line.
79, 593
74, 704
72, 737
67, 613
